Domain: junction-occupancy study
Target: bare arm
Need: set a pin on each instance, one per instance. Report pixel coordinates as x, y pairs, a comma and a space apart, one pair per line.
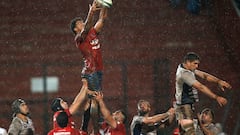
158, 117
102, 16
221, 101
222, 84
80, 98
88, 22
105, 112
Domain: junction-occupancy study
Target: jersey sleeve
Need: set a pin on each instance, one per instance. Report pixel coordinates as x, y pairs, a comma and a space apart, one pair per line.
15, 127
188, 78
138, 119
214, 129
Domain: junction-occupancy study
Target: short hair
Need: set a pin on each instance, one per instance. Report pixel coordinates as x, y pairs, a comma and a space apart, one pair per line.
208, 111
191, 56
73, 24
56, 105
62, 119
141, 101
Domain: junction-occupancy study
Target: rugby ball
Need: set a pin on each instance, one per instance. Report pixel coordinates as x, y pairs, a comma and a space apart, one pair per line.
105, 3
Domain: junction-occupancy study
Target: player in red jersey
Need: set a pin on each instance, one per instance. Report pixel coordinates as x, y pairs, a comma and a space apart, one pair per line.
59, 105
114, 123
63, 128
87, 41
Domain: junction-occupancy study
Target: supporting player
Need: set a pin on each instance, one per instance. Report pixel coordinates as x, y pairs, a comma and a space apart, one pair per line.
144, 124
114, 124
59, 105
63, 128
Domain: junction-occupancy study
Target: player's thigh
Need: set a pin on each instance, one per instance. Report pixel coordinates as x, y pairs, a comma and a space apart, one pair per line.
94, 81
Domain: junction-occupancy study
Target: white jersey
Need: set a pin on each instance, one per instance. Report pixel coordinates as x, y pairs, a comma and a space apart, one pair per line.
139, 128
19, 127
212, 127
185, 93
3, 131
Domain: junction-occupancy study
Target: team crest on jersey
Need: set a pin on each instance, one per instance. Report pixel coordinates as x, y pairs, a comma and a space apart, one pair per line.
95, 43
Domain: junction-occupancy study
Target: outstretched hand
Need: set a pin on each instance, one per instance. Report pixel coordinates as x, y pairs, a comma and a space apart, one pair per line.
92, 93
223, 84
99, 96
221, 101
95, 6
171, 111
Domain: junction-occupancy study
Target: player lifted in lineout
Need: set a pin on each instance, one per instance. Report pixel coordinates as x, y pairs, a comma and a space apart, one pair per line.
87, 41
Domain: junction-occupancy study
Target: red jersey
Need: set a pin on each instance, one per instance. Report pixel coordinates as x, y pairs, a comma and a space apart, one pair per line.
108, 130
70, 119
64, 131
90, 48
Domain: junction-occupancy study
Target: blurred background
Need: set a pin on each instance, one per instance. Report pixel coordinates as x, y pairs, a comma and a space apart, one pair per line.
143, 41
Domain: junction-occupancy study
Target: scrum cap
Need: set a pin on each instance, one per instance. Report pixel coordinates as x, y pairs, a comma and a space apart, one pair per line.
16, 106
56, 105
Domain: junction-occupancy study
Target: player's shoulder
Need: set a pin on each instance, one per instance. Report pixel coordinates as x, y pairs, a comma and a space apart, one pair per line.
16, 120
183, 71
137, 118
93, 30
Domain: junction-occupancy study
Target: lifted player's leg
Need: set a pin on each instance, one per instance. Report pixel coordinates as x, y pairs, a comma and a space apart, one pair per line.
86, 118
94, 84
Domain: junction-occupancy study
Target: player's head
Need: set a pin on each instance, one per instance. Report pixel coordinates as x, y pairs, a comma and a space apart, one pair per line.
62, 119
120, 116
191, 61
20, 106
58, 104
207, 115
191, 56
76, 25
144, 107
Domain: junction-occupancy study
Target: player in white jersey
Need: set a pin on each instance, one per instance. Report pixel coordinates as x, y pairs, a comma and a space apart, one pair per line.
187, 88
21, 123
144, 124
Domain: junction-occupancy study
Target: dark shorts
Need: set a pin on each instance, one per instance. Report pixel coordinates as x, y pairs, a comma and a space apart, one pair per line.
94, 80
185, 112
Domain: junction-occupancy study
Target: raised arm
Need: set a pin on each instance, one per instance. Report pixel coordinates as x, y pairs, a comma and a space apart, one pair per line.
102, 16
105, 112
222, 84
80, 98
89, 20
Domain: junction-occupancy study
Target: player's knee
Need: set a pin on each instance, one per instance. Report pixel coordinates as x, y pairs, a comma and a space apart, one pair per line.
187, 127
